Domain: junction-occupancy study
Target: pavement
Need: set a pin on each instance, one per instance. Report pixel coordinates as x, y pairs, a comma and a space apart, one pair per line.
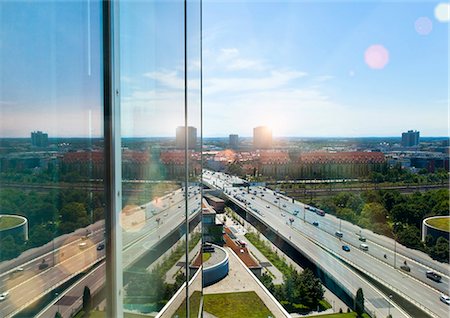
239, 279
334, 301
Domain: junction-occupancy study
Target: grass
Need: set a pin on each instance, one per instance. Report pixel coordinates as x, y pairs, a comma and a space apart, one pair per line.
194, 304
7, 222
102, 314
344, 315
273, 257
236, 305
206, 257
442, 223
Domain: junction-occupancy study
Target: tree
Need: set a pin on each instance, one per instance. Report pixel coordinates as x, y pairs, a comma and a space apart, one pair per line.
312, 289
58, 315
9, 248
87, 301
410, 237
359, 303
440, 250
39, 236
267, 281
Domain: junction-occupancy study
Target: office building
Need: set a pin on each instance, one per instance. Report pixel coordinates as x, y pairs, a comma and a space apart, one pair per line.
262, 137
233, 141
410, 138
192, 137
39, 139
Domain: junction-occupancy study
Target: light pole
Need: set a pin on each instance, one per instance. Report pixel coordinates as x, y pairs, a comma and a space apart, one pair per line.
389, 306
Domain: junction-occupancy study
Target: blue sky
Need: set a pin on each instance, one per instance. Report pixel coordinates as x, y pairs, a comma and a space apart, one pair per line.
335, 68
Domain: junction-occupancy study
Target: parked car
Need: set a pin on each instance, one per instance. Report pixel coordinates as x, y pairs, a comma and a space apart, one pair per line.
346, 248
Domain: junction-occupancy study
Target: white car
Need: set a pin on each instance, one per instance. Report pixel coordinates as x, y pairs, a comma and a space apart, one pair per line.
3, 296
445, 299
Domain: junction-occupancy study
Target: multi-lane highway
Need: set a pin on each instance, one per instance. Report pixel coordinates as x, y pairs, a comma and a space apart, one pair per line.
142, 227
278, 211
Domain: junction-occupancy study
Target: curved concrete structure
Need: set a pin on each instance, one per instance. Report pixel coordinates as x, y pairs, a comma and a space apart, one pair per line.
19, 230
216, 267
428, 229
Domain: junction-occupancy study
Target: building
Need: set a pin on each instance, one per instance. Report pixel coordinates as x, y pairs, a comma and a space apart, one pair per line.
262, 137
192, 137
410, 138
233, 141
39, 139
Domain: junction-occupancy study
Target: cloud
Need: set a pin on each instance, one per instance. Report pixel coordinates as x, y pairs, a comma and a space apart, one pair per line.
230, 59
323, 78
272, 80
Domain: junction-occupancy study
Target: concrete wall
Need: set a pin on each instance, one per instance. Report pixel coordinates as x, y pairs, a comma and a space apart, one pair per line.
18, 231
436, 233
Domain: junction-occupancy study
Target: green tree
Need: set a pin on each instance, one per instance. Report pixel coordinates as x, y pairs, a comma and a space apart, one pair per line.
312, 289
359, 303
39, 236
9, 248
87, 301
410, 237
58, 315
267, 281
440, 251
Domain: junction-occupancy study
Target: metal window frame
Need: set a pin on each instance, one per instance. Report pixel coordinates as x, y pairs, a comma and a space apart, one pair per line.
113, 171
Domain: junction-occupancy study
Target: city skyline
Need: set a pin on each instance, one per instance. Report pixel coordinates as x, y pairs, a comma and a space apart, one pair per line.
362, 79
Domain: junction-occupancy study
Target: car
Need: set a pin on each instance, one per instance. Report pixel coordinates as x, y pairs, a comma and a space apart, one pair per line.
406, 268
100, 246
315, 223
268, 206
445, 299
19, 269
364, 247
434, 276
284, 205
283, 215
339, 234
362, 238
43, 265
346, 248
3, 296
82, 245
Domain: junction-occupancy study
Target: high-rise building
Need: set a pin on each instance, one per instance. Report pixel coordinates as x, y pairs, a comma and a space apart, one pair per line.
39, 139
262, 137
410, 138
192, 137
234, 141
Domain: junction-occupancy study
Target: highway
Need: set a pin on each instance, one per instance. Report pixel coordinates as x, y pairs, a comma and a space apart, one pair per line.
142, 227
276, 210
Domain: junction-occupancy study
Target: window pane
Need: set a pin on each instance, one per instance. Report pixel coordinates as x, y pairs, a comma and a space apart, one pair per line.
51, 160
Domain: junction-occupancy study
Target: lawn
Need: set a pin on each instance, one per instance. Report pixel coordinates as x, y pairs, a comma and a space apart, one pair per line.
206, 257
441, 223
102, 314
7, 222
345, 315
236, 305
227, 305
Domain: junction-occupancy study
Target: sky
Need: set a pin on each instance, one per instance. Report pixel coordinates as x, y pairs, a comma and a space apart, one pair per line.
303, 68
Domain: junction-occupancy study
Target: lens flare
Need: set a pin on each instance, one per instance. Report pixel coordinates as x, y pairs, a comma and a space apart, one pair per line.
442, 12
423, 26
376, 56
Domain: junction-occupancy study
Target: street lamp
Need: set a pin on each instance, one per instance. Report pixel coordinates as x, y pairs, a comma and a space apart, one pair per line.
389, 305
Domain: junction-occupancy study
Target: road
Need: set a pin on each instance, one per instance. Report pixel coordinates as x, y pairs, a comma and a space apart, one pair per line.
276, 211
142, 227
